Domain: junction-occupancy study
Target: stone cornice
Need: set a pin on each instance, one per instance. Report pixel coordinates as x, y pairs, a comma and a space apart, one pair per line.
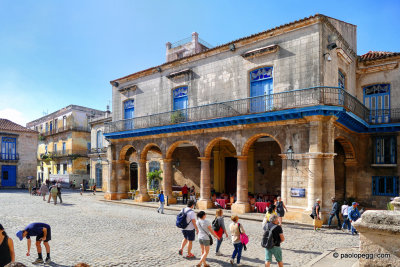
343, 55
310, 155
377, 68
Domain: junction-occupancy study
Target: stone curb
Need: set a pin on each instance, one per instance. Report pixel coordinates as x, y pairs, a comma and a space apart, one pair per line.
227, 213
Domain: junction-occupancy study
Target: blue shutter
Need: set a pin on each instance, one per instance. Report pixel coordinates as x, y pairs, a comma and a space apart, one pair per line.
261, 90
129, 114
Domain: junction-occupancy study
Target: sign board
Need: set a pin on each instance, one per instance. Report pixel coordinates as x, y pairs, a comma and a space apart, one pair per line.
297, 192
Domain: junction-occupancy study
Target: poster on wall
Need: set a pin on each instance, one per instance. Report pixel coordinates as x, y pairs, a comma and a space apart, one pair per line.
297, 192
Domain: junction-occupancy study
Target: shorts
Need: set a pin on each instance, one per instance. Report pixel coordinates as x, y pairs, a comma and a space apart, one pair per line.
204, 242
48, 237
189, 234
276, 251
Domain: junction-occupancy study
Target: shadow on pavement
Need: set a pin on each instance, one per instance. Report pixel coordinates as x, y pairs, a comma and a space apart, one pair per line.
303, 251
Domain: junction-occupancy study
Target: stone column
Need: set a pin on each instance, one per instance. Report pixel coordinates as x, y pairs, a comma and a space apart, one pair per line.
284, 189
242, 204
314, 186
143, 195
328, 181
167, 181
112, 183
123, 179
205, 185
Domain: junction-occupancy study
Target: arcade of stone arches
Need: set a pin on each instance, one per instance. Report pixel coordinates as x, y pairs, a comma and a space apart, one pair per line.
220, 166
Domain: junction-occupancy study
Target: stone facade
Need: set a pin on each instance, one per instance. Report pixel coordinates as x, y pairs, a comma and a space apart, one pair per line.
223, 143
64, 140
23, 157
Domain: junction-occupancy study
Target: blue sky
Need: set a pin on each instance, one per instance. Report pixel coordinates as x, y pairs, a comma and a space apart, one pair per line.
56, 53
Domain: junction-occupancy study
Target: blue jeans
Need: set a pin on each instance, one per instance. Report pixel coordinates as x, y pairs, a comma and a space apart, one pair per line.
237, 251
353, 230
331, 217
346, 221
219, 242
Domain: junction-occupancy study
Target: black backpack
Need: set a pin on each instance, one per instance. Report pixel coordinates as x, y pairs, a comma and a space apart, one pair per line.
215, 225
268, 239
181, 221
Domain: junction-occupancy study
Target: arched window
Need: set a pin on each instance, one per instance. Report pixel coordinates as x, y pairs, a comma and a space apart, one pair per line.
377, 99
99, 139
261, 89
129, 113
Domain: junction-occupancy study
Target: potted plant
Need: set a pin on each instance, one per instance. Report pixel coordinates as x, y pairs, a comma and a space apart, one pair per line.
177, 116
154, 178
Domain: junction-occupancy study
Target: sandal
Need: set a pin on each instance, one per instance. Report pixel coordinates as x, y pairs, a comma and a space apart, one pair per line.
180, 252
190, 256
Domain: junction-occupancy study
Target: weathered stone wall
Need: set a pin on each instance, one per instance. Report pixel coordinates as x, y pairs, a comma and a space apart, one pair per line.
188, 171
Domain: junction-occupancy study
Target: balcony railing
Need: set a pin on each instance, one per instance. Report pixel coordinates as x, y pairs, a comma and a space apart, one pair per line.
63, 153
9, 156
65, 129
331, 96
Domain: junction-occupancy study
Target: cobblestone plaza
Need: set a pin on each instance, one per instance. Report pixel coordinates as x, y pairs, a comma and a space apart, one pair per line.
85, 229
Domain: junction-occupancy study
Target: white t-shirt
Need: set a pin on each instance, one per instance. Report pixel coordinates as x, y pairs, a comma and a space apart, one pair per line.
345, 210
189, 217
202, 225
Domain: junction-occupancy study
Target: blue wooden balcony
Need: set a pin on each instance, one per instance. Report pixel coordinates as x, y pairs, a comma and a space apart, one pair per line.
293, 104
9, 157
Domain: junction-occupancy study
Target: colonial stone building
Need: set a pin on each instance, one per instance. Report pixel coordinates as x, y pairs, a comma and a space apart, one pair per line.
98, 153
18, 154
64, 143
291, 111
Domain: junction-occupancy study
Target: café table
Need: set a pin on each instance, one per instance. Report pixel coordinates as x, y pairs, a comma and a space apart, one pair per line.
261, 206
222, 202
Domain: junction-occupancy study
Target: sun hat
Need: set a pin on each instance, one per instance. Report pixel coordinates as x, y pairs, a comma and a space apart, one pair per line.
354, 203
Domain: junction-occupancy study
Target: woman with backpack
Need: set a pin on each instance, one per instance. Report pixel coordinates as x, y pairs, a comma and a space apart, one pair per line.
236, 229
219, 229
205, 238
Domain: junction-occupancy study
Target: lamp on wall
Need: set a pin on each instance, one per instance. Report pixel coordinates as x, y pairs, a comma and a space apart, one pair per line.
290, 156
329, 56
260, 167
176, 163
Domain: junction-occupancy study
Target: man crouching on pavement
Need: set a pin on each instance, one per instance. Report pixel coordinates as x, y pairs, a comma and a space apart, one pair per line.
42, 232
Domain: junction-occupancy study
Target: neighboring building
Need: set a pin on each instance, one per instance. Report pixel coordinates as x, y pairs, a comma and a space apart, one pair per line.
64, 142
291, 111
18, 154
99, 171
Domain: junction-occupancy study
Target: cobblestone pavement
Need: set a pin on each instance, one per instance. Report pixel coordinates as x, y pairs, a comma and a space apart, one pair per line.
85, 229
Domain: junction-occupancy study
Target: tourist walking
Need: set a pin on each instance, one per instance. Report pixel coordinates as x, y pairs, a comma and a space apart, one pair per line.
7, 253
185, 194
271, 211
44, 190
274, 231
94, 189
42, 231
237, 243
59, 191
205, 238
334, 212
189, 231
30, 186
280, 209
193, 193
354, 215
162, 201
219, 229
53, 194
345, 214
82, 188
316, 214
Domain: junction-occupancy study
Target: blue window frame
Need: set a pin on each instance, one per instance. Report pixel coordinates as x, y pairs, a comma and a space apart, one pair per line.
341, 84
51, 126
385, 185
180, 103
89, 146
9, 148
99, 175
99, 139
261, 89
385, 149
45, 149
129, 114
64, 147
377, 99
55, 147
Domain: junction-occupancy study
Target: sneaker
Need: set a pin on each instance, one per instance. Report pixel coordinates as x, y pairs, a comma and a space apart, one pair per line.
231, 261
218, 254
48, 260
190, 256
37, 261
180, 252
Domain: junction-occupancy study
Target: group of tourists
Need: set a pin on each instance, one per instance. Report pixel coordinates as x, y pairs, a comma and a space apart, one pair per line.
350, 214
54, 192
188, 193
41, 231
206, 230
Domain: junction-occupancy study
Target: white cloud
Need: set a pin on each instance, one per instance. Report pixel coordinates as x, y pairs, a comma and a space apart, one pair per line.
13, 115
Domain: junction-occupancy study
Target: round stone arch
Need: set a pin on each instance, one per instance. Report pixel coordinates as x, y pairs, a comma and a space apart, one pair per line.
213, 142
250, 141
147, 148
124, 150
348, 148
173, 146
